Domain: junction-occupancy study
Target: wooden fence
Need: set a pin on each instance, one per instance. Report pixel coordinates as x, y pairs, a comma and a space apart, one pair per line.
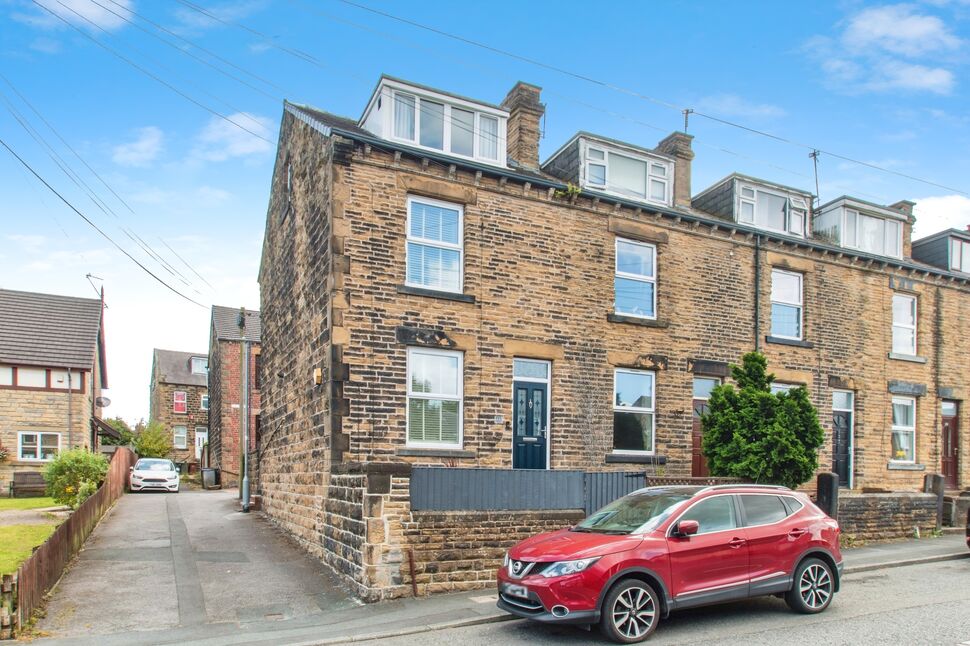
24, 592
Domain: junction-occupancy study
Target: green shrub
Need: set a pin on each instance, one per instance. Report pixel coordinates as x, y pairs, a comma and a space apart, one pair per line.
73, 476
120, 425
751, 433
153, 442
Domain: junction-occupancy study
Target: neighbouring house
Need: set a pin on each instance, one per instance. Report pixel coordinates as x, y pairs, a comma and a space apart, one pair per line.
454, 328
52, 370
179, 400
226, 345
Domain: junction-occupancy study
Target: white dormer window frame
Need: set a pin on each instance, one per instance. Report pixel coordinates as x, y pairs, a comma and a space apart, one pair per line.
598, 158
959, 255
487, 126
796, 209
892, 236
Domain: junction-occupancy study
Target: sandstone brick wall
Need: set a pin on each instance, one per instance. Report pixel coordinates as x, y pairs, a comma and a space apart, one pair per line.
886, 516
224, 399
162, 410
43, 411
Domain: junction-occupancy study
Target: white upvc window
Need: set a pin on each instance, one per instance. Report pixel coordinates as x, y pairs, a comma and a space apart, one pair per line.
778, 387
635, 281
904, 324
180, 437
6, 375
633, 411
435, 245
38, 447
960, 255
872, 234
200, 365
32, 377
904, 429
204, 402
439, 125
626, 174
786, 304
180, 402
772, 210
434, 398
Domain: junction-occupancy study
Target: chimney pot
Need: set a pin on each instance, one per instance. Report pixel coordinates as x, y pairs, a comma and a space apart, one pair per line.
678, 146
525, 114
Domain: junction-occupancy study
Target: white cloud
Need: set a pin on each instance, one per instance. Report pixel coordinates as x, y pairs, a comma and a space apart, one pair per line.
898, 29
28, 242
736, 106
45, 45
83, 13
942, 212
242, 135
228, 12
142, 151
888, 48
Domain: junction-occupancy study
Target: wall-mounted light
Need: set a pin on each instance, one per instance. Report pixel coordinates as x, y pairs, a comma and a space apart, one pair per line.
318, 376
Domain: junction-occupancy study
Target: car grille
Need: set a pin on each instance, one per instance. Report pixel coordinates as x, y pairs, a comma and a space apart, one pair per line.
153, 480
525, 604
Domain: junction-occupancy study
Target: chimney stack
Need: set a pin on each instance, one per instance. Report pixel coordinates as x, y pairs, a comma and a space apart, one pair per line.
906, 208
678, 146
525, 113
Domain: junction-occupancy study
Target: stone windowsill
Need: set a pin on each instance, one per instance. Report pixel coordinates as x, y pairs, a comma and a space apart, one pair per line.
633, 458
907, 357
792, 342
905, 466
433, 293
435, 453
635, 320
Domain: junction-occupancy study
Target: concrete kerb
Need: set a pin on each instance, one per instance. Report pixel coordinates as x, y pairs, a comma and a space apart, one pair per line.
501, 616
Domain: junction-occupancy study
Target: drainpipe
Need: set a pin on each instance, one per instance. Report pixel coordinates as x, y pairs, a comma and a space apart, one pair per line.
70, 413
244, 409
757, 293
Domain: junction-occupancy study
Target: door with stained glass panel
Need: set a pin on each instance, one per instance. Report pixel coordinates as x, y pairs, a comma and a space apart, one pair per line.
530, 409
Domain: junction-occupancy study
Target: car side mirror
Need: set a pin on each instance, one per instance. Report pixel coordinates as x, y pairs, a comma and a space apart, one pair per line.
131, 469
686, 528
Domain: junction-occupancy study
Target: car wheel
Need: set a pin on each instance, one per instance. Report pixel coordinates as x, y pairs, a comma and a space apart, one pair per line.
813, 587
631, 611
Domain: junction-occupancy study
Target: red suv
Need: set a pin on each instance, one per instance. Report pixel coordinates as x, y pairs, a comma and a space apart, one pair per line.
667, 548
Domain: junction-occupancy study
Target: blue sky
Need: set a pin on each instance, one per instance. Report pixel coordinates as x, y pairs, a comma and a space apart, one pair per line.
880, 82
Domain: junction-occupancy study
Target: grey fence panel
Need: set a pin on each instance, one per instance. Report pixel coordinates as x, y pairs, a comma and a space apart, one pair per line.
602, 488
447, 489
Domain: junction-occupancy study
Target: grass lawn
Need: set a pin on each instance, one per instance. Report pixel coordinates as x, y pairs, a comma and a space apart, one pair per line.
18, 541
25, 503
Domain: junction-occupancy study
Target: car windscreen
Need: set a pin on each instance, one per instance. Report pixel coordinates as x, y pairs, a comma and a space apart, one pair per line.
629, 513
154, 465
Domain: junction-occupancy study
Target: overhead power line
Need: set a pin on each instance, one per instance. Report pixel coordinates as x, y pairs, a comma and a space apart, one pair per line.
640, 95
150, 74
94, 226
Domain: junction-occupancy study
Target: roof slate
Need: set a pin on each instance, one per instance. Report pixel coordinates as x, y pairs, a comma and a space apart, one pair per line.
48, 330
174, 367
225, 321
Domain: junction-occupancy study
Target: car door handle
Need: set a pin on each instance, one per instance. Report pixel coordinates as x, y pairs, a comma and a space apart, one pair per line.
735, 543
795, 533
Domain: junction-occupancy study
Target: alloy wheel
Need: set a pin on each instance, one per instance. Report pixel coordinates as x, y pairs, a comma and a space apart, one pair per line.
634, 612
815, 586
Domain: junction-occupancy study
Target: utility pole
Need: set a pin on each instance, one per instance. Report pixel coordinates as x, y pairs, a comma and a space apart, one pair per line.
244, 410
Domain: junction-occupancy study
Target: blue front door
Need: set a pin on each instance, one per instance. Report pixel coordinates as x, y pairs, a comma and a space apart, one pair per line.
530, 401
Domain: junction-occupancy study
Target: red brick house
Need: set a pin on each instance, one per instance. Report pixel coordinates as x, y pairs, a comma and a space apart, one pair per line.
226, 339
179, 400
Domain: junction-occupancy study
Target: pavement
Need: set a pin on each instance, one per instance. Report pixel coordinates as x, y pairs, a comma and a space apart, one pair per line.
189, 569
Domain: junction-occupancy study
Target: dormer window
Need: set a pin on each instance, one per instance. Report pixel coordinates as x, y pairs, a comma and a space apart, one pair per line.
858, 225
438, 125
200, 366
772, 210
960, 255
627, 174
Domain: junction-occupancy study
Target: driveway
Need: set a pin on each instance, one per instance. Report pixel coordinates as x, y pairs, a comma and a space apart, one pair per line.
189, 562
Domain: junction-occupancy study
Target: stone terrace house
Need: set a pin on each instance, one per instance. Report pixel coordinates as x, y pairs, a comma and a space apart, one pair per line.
179, 400
433, 296
52, 370
225, 387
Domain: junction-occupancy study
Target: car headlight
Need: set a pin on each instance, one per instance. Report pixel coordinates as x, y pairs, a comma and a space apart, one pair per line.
174, 477
505, 562
562, 568
135, 476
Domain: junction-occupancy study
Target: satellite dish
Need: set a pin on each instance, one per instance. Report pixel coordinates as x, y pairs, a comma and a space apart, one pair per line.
103, 402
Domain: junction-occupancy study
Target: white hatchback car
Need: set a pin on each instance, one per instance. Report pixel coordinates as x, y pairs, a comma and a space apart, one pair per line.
154, 473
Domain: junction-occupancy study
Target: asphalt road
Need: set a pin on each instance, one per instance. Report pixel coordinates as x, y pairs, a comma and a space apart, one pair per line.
919, 604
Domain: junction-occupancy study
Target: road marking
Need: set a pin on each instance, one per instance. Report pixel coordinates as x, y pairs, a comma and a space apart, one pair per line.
188, 586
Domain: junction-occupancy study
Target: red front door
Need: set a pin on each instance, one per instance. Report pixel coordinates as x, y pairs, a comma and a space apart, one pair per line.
698, 464
950, 445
